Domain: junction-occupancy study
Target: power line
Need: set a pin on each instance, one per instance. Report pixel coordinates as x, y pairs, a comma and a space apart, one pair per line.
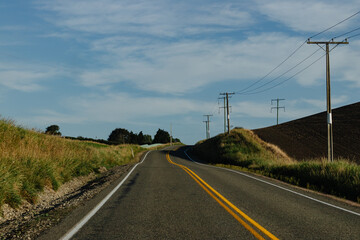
297, 49
347, 33
274, 79
243, 91
327, 29
282, 82
353, 36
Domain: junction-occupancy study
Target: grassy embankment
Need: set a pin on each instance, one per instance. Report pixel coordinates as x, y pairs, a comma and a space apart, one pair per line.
244, 150
29, 161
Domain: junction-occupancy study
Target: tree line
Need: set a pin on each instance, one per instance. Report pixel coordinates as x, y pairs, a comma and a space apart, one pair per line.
122, 136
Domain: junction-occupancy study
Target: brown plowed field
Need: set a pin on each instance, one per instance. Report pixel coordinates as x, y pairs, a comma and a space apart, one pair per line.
306, 138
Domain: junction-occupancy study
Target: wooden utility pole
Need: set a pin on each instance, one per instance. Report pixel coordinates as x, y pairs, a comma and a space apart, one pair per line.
277, 108
224, 107
207, 122
227, 108
328, 95
170, 134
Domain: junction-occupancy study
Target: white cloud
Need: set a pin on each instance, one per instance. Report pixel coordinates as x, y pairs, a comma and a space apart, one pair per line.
25, 81
252, 109
188, 65
312, 106
27, 77
160, 18
314, 102
120, 107
344, 63
48, 117
307, 15
343, 67
154, 63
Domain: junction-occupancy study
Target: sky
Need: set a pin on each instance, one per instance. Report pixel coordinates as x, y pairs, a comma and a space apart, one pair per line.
90, 66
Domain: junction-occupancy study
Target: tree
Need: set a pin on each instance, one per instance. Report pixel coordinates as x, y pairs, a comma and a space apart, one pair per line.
119, 136
53, 130
147, 139
122, 136
140, 138
144, 139
161, 136
133, 138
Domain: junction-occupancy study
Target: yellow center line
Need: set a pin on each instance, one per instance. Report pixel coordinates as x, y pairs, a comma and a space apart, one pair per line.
207, 188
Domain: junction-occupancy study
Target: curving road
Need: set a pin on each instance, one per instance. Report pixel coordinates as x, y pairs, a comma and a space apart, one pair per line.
168, 196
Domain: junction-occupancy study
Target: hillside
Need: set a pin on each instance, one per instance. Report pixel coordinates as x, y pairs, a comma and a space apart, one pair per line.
243, 150
306, 138
31, 161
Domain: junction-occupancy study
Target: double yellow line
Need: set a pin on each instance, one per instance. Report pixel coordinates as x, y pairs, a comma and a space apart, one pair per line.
227, 205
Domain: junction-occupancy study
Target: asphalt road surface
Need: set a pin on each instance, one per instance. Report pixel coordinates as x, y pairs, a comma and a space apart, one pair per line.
168, 196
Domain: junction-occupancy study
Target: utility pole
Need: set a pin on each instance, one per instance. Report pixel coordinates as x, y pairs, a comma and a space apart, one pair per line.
170, 134
207, 122
277, 108
226, 94
328, 95
224, 107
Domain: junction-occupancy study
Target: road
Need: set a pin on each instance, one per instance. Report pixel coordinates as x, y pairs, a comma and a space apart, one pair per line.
168, 196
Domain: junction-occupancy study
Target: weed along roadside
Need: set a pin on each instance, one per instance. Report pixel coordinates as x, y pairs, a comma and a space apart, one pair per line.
31, 161
243, 150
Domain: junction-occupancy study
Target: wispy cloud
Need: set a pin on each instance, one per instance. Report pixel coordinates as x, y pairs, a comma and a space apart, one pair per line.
25, 81
112, 106
120, 107
26, 77
160, 18
187, 65
151, 45
307, 15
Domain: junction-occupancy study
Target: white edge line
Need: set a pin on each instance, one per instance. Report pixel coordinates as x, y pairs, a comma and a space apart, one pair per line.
85, 219
274, 185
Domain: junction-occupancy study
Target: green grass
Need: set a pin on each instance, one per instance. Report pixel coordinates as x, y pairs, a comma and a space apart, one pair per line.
244, 150
30, 160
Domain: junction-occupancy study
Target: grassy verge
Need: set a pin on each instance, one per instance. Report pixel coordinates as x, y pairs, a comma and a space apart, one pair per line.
29, 161
245, 150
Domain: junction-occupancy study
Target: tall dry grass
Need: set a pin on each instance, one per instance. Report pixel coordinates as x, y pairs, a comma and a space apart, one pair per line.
30, 160
243, 149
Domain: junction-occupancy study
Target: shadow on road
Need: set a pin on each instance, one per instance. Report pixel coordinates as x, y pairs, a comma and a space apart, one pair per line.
180, 153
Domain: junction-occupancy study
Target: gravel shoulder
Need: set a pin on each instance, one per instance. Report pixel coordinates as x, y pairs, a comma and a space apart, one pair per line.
30, 221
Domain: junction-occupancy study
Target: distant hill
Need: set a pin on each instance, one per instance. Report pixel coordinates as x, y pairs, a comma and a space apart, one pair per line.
306, 138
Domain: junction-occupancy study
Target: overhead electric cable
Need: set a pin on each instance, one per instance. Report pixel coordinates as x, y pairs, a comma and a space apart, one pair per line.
274, 79
353, 36
335, 25
264, 90
244, 89
347, 33
325, 30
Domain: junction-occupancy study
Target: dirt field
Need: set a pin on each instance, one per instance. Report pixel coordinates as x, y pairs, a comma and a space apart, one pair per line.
306, 138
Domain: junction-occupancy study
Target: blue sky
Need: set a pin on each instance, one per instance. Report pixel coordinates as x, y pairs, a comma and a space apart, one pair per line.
91, 66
